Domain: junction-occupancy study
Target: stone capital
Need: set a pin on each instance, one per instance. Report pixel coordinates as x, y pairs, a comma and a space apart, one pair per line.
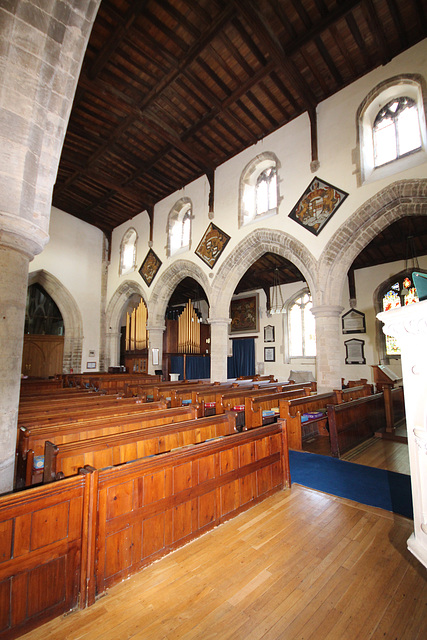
327, 311
226, 321
21, 235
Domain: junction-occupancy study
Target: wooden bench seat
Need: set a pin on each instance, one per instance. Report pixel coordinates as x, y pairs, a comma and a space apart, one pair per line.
64, 460
125, 407
262, 409
31, 441
350, 423
305, 416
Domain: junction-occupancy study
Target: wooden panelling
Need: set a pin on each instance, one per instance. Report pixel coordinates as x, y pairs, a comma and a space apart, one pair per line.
175, 497
41, 546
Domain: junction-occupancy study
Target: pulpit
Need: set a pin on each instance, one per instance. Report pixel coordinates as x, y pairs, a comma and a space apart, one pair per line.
409, 325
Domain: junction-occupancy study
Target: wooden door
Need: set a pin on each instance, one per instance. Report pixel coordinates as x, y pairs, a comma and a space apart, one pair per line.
42, 355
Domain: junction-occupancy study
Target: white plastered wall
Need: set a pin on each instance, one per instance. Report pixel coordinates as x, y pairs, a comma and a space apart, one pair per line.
74, 256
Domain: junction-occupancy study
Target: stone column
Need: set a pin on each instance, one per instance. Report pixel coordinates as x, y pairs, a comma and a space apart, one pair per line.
155, 341
219, 348
409, 325
14, 262
112, 357
328, 358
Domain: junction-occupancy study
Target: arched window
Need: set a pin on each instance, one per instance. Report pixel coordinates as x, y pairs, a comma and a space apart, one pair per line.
42, 316
392, 128
397, 292
179, 227
301, 327
128, 252
259, 189
396, 130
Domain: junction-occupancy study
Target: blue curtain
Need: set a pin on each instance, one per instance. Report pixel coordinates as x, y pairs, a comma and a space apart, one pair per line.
177, 366
242, 362
198, 367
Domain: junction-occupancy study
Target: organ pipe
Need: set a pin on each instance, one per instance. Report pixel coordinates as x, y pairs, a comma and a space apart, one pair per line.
136, 328
188, 330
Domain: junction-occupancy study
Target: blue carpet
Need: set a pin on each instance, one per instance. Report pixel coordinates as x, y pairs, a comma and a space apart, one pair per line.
375, 487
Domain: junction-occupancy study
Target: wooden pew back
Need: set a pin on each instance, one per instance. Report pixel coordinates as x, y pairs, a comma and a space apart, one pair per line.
350, 423
292, 410
63, 460
149, 507
256, 405
31, 441
229, 399
353, 393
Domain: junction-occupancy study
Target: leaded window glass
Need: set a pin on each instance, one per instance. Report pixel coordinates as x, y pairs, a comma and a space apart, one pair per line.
302, 328
396, 130
400, 294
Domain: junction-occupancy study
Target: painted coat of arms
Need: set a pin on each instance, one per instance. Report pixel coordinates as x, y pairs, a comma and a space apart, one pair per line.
150, 267
317, 205
212, 245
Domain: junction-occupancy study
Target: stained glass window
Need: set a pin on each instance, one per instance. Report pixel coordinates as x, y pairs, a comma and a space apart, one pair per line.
400, 293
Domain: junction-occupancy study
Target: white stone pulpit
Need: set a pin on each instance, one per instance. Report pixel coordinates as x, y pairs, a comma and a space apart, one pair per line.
409, 326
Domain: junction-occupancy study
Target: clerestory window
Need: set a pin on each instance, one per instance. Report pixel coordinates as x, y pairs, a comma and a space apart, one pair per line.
128, 252
396, 130
259, 189
179, 227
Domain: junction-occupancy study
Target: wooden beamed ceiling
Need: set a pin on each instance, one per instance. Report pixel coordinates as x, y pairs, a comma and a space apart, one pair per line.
171, 89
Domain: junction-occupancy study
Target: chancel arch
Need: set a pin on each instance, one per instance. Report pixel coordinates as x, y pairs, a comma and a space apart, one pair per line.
71, 315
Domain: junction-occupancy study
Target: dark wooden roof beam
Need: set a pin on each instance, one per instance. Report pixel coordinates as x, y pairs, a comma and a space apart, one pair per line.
328, 60
119, 33
341, 10
260, 107
398, 22
377, 30
355, 32
252, 117
259, 25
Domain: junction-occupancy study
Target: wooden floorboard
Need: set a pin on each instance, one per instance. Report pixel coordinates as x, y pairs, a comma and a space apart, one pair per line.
301, 565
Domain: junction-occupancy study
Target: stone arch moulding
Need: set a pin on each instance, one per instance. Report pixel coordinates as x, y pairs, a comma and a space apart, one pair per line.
113, 317
257, 243
73, 324
397, 200
166, 285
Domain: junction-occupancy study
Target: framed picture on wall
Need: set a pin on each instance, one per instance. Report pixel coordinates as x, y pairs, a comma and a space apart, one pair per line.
269, 354
244, 314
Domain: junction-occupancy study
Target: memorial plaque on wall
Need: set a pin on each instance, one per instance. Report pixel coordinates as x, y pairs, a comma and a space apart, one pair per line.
353, 322
355, 351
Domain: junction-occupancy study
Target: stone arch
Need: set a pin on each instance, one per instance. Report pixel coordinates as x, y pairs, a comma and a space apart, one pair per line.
166, 285
251, 248
398, 200
113, 316
73, 324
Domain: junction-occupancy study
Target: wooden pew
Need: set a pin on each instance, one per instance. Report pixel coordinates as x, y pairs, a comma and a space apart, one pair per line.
256, 406
293, 410
235, 400
31, 441
353, 393
350, 423
149, 507
64, 543
63, 460
31, 386
43, 554
126, 407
